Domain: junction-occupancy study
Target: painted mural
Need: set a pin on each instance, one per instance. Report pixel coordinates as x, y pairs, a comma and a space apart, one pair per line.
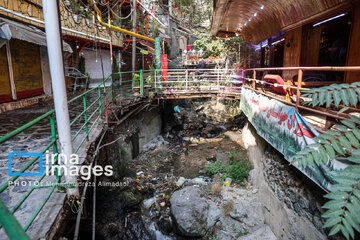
286, 130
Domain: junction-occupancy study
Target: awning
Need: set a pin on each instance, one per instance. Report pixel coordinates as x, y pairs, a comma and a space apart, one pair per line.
10, 29
257, 20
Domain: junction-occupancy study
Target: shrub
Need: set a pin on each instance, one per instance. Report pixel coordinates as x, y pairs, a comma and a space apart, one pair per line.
238, 170
214, 168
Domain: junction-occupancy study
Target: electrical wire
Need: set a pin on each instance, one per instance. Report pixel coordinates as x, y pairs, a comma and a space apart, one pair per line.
76, 204
122, 18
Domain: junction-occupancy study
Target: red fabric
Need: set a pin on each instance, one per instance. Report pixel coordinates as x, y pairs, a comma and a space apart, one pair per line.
276, 79
5, 98
164, 67
29, 93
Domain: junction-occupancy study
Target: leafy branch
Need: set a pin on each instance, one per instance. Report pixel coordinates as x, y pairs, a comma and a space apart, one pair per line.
348, 94
343, 207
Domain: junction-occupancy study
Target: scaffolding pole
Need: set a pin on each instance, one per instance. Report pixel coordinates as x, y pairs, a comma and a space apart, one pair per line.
133, 60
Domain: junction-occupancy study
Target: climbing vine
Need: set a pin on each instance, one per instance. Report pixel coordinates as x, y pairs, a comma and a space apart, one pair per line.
343, 207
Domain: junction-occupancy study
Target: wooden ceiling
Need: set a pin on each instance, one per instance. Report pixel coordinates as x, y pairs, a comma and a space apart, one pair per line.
230, 16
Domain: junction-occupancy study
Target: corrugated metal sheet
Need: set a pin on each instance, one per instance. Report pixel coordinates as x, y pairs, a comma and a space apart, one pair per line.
10, 29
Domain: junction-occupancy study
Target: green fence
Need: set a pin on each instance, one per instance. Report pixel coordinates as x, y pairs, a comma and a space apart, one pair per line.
91, 106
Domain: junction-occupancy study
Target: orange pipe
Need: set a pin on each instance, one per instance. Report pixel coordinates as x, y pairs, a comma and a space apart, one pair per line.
126, 46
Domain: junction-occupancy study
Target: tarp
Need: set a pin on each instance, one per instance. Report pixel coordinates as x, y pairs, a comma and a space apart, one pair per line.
10, 29
287, 131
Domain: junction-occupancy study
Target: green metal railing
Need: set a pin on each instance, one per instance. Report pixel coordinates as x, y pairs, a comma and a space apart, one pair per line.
91, 106
101, 96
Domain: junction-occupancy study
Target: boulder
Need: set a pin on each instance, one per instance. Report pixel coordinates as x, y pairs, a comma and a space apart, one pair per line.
192, 213
263, 233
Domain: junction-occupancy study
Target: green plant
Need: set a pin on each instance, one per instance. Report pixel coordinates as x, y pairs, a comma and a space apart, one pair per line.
214, 168
238, 170
151, 78
123, 151
242, 233
136, 80
233, 154
74, 6
343, 207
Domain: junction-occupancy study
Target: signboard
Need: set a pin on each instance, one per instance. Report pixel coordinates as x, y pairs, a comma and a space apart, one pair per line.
286, 130
164, 67
158, 53
144, 52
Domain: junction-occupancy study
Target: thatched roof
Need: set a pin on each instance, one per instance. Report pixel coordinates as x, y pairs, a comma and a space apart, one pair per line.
230, 16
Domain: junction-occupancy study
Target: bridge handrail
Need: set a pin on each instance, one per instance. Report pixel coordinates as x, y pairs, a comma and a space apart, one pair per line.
324, 68
99, 105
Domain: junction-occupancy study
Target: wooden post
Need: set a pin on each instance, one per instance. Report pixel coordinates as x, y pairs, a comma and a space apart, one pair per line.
11, 73
300, 76
254, 83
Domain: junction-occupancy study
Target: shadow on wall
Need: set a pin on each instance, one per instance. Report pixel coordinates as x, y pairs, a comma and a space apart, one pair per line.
291, 208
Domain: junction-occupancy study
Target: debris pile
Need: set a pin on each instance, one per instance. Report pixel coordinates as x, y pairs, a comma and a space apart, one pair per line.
169, 193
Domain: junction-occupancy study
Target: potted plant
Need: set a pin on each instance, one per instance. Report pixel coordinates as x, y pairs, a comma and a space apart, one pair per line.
88, 18
76, 10
136, 82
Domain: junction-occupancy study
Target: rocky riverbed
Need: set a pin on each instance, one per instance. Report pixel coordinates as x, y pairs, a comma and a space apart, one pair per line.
184, 173
171, 193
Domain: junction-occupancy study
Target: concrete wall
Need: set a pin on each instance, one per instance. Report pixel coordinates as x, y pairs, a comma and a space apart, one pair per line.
150, 128
290, 205
138, 131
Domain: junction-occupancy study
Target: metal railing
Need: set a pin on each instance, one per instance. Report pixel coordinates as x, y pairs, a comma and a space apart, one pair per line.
258, 85
198, 81
90, 106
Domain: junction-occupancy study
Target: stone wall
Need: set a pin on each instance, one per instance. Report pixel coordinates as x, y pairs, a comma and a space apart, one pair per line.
291, 203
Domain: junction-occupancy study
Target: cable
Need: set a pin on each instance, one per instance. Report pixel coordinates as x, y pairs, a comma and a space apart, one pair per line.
122, 18
80, 203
